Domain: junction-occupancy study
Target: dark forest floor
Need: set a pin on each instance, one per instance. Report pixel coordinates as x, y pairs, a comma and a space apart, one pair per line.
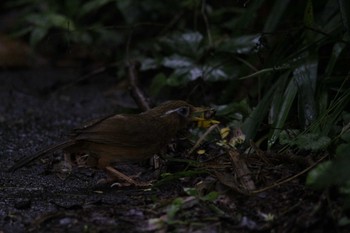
39, 107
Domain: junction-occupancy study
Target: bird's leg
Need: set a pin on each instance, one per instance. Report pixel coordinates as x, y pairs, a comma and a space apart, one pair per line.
119, 175
68, 158
114, 174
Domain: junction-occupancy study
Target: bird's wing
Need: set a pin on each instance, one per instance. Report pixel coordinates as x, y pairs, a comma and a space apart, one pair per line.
123, 130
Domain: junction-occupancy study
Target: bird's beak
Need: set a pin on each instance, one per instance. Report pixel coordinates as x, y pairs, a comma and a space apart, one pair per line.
203, 117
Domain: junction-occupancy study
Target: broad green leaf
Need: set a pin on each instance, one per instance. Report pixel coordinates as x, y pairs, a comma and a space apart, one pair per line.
37, 35
331, 8
60, 21
191, 38
253, 121
306, 79
191, 191
277, 99
332, 21
334, 172
148, 64
288, 99
242, 108
186, 70
210, 73
343, 152
317, 174
336, 51
346, 136
38, 20
344, 221
242, 44
212, 196
177, 61
188, 44
174, 208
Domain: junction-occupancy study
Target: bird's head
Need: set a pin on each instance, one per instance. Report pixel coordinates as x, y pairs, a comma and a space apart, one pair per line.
177, 112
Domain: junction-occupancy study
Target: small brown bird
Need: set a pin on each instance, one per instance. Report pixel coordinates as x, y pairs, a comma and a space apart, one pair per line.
125, 137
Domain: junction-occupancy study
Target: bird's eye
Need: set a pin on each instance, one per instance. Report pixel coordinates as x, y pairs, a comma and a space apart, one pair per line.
183, 111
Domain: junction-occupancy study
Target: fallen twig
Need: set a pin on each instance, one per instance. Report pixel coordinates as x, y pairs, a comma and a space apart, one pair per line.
242, 171
136, 92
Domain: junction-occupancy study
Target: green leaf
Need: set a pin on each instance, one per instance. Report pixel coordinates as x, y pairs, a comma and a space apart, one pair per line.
252, 122
229, 110
346, 136
186, 70
148, 64
316, 175
343, 221
210, 73
60, 21
336, 51
191, 191
242, 44
306, 79
288, 99
174, 208
277, 99
212, 196
188, 44
335, 172
177, 61
37, 35
37, 20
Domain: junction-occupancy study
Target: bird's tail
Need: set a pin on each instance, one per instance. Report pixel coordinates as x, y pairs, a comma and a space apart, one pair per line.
26, 160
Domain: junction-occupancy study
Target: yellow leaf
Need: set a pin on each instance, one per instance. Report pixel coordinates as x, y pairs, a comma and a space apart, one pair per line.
203, 123
224, 132
200, 152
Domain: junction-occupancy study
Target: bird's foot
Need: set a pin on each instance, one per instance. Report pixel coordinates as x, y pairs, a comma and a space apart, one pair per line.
123, 180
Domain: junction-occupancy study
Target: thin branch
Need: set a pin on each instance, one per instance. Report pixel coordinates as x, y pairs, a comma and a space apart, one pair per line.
142, 101
267, 70
286, 180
